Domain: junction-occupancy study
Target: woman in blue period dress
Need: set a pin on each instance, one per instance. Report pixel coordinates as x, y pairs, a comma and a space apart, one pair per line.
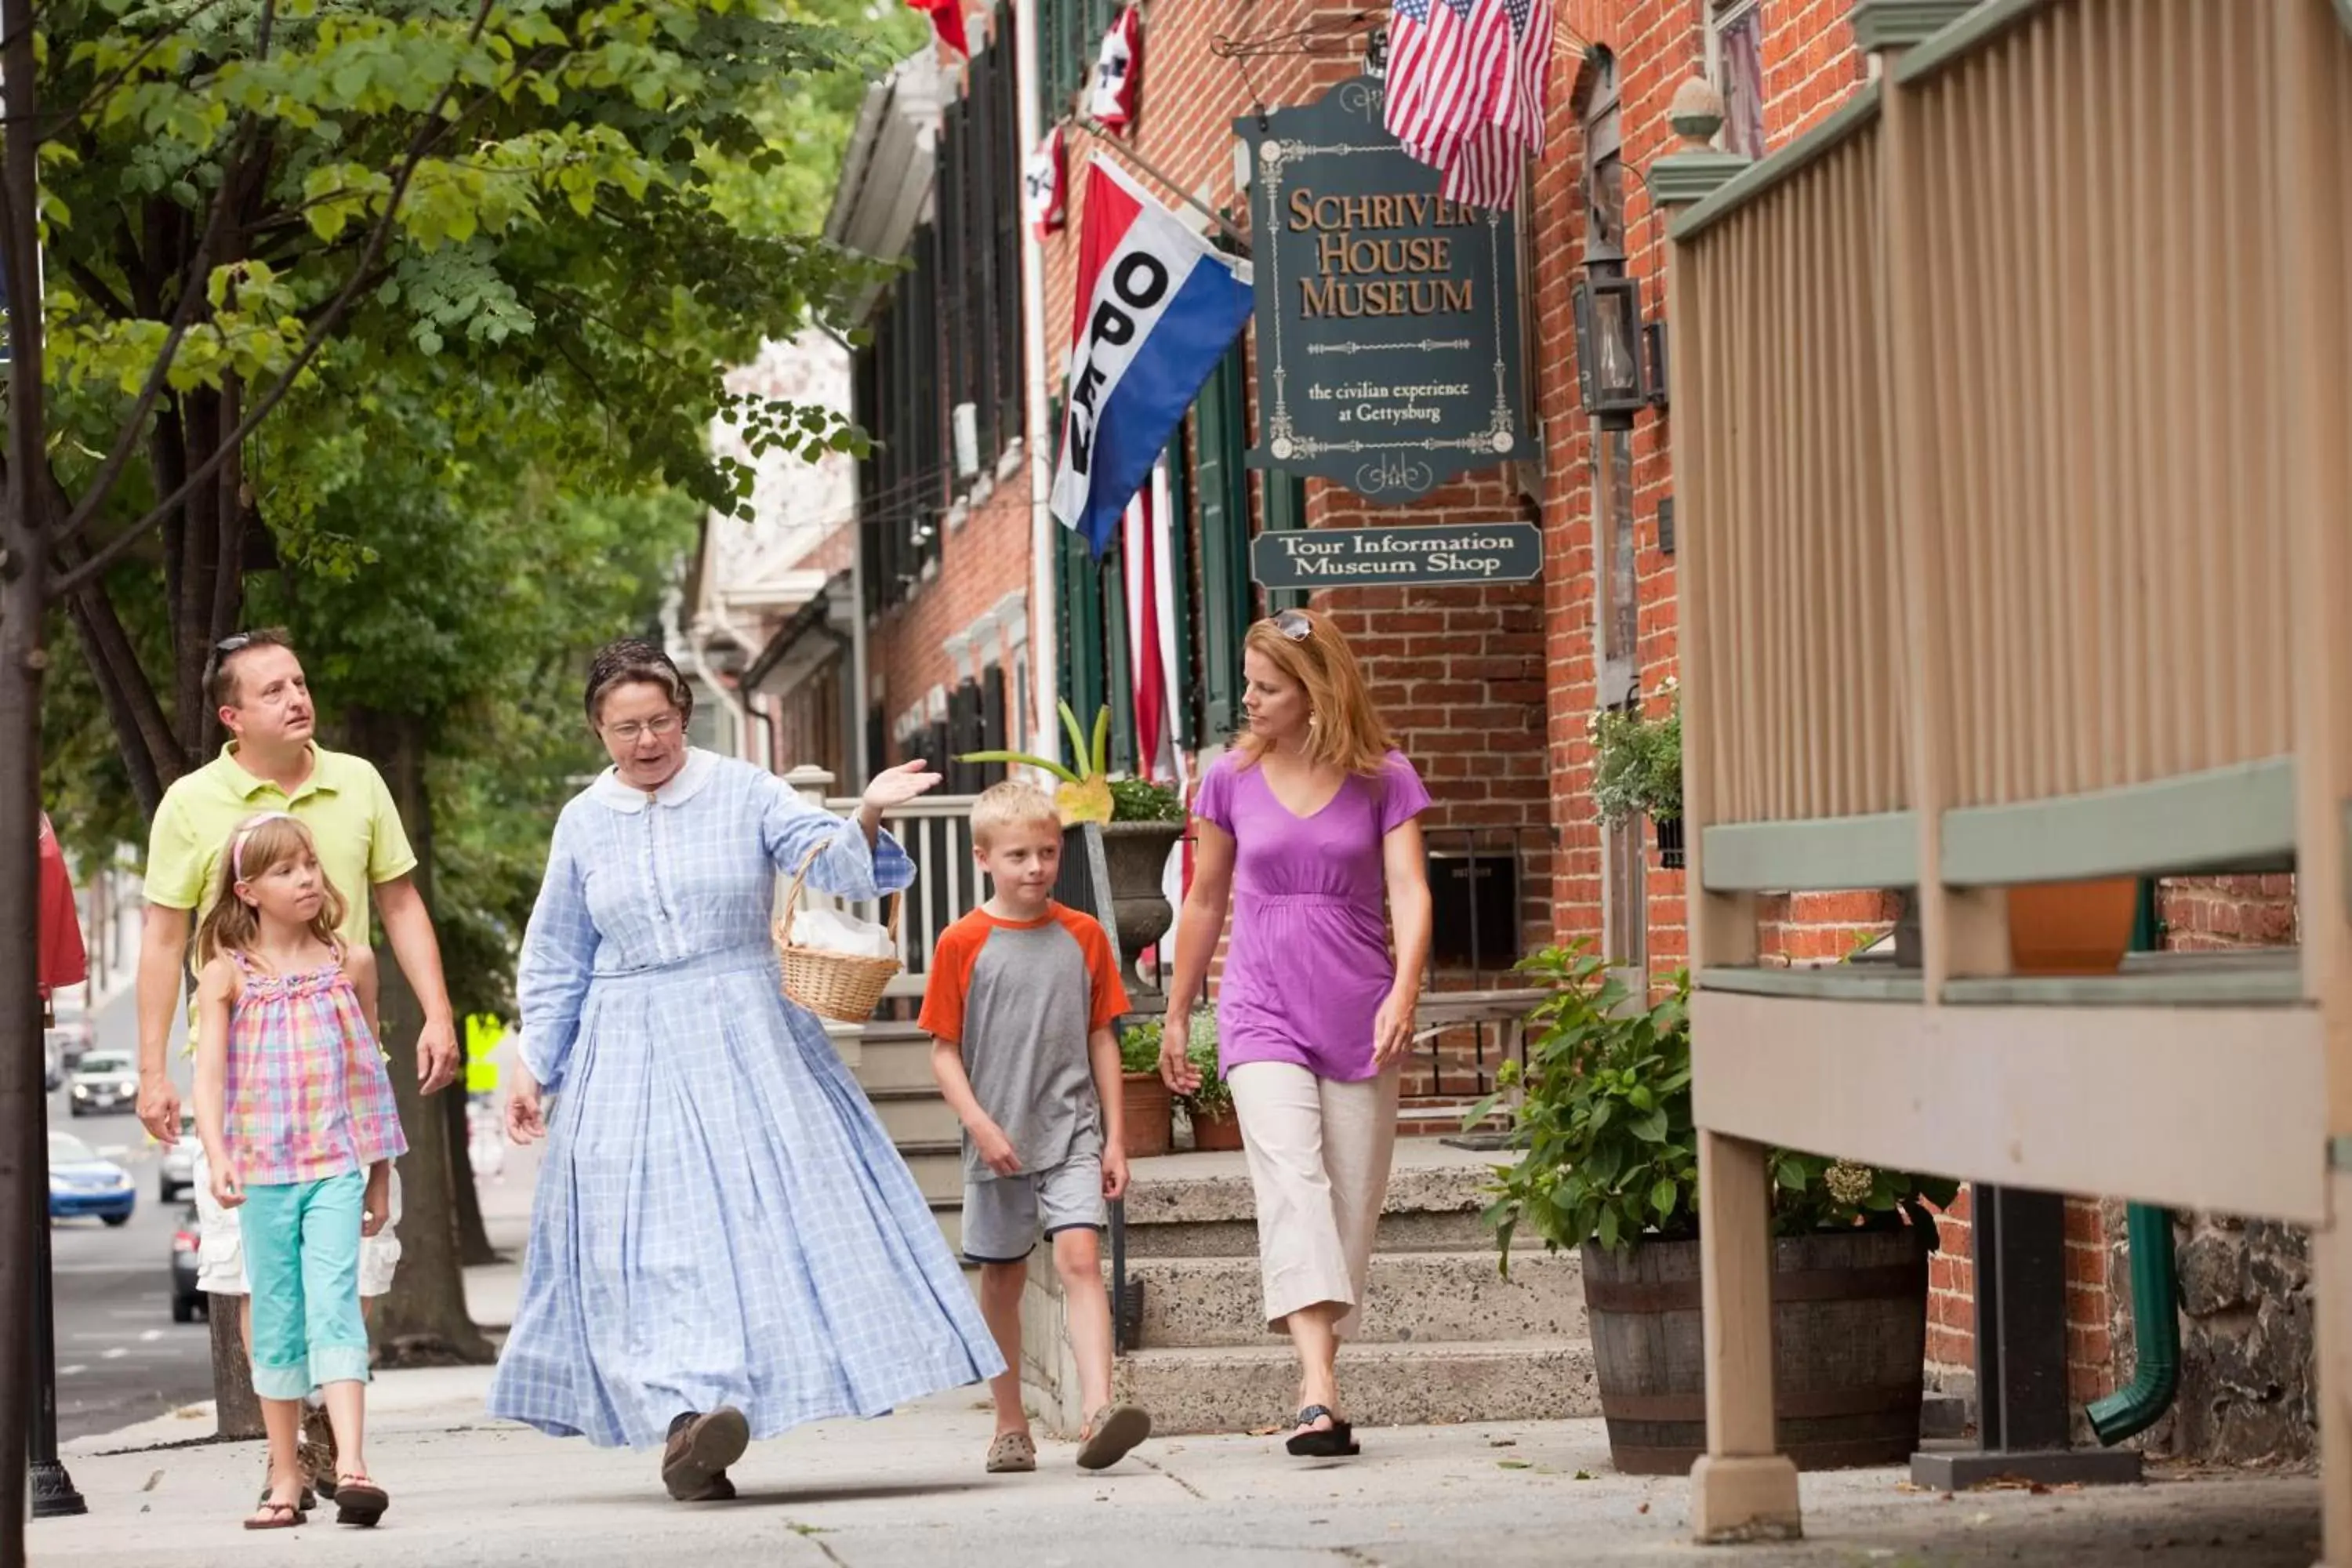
723, 1242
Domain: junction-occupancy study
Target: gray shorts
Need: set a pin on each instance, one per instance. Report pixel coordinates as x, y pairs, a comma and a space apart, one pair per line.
1005, 1215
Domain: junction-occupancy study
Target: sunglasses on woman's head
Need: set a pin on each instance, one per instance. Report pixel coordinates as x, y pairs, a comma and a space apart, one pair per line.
1293, 625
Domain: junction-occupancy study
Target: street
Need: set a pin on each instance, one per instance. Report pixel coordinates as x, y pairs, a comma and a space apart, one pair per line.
121, 1358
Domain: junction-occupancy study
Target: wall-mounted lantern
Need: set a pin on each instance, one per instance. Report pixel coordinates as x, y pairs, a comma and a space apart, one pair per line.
1653, 341
1609, 348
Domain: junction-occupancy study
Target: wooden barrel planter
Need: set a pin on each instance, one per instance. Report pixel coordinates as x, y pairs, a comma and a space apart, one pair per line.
1849, 1344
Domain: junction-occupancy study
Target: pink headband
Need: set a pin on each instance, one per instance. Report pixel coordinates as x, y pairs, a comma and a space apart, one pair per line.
236, 845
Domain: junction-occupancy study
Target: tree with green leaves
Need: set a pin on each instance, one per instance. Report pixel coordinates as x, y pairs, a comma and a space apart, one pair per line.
249, 207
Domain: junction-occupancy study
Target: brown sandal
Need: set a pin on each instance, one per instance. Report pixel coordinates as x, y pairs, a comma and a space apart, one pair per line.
359, 1501
1012, 1453
1111, 1434
273, 1515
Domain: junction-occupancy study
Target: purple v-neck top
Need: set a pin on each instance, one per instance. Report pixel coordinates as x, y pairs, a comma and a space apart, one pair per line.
1308, 963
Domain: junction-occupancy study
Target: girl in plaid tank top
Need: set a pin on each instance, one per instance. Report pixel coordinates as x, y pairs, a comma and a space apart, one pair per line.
300, 1130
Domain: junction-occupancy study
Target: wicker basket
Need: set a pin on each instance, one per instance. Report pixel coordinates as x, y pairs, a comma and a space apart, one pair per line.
838, 985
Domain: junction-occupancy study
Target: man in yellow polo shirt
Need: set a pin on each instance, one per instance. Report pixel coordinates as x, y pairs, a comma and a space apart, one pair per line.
273, 764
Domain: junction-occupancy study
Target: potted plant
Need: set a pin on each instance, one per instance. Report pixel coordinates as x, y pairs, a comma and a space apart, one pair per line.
1151, 1109
1637, 768
1609, 1163
1209, 1108
1139, 821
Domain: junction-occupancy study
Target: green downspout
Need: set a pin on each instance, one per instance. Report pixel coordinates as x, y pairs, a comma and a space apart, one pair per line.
2156, 1294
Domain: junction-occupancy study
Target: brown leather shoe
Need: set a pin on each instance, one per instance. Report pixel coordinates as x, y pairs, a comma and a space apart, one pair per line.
700, 1449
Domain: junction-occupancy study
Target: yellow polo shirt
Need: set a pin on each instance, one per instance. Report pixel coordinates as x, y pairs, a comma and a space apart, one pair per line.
343, 803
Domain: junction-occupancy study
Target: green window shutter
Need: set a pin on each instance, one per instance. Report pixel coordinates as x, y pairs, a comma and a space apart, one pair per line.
1222, 486
1083, 675
1284, 499
1118, 668
1180, 683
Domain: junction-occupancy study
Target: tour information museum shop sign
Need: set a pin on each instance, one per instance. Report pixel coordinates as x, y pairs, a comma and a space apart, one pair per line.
1388, 318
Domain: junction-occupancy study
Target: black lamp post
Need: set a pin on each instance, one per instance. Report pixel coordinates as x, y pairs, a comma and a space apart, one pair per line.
1610, 348
54, 1496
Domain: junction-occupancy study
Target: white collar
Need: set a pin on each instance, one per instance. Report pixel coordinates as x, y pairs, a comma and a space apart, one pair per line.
682, 785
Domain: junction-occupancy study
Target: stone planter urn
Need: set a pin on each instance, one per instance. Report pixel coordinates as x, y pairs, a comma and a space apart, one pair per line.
1135, 853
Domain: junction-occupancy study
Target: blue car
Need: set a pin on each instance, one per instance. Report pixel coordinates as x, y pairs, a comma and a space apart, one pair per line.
82, 1183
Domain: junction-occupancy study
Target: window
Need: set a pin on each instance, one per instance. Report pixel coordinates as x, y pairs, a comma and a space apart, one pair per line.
1069, 35
979, 206
902, 481
1735, 63
949, 332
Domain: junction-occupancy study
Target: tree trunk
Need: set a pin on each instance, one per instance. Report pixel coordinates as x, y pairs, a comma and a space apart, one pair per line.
142, 732
422, 1320
237, 1409
192, 615
473, 1247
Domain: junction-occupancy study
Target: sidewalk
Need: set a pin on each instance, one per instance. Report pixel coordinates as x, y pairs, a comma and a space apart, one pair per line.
908, 1492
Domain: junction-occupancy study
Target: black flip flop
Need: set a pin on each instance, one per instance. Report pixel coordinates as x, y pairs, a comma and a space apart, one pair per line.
1337, 1442
360, 1502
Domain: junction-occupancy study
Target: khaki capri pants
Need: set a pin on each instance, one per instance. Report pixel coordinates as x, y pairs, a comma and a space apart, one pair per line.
1319, 1152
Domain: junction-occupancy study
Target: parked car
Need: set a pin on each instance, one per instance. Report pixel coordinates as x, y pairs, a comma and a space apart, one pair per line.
82, 1183
77, 1036
179, 1164
187, 1301
104, 1081
53, 1061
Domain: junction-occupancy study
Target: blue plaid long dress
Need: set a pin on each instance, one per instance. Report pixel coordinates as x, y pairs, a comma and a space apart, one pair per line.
719, 1218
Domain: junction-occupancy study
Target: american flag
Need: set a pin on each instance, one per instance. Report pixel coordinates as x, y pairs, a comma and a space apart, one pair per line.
1467, 84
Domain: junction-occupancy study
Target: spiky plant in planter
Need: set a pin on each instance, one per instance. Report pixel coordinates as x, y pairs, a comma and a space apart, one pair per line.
1087, 792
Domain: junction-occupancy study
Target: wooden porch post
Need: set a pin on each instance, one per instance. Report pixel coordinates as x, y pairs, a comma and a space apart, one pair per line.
1741, 1488
2315, 329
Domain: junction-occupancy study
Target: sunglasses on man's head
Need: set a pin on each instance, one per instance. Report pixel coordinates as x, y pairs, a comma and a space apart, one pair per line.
1293, 625
232, 643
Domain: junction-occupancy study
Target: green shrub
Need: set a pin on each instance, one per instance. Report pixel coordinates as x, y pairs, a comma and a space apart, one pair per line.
1607, 1150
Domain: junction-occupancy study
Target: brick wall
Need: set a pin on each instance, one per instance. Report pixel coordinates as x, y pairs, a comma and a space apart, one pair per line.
981, 560
1459, 673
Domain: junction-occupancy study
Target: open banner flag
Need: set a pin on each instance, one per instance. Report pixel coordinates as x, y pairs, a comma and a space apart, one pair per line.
1156, 309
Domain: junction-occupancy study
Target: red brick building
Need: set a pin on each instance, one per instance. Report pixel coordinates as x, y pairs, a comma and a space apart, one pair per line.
981, 614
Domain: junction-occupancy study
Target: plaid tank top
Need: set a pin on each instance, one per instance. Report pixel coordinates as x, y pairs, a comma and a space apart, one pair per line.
308, 1094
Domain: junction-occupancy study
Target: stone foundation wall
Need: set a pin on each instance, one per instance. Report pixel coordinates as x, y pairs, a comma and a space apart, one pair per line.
2249, 1389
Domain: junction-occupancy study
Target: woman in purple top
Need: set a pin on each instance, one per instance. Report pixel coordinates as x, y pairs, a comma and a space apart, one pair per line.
1307, 828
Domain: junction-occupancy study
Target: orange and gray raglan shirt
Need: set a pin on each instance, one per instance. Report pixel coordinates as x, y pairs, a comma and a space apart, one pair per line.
1020, 998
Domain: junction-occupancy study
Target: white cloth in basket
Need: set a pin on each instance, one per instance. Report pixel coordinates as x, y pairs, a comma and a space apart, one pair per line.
830, 930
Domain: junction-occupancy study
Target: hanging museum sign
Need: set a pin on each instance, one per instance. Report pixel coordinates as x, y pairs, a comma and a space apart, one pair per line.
1419, 556
1388, 318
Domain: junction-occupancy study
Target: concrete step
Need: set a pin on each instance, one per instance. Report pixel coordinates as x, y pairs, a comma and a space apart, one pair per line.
1231, 1389
1415, 1297
938, 1167
894, 1061
915, 1115
949, 1216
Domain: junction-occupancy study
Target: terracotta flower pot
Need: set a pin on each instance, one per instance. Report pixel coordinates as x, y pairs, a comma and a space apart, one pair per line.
1216, 1130
1150, 1114
2071, 928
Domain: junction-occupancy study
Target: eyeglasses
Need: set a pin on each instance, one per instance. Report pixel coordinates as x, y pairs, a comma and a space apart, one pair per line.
1293, 625
233, 643
628, 729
